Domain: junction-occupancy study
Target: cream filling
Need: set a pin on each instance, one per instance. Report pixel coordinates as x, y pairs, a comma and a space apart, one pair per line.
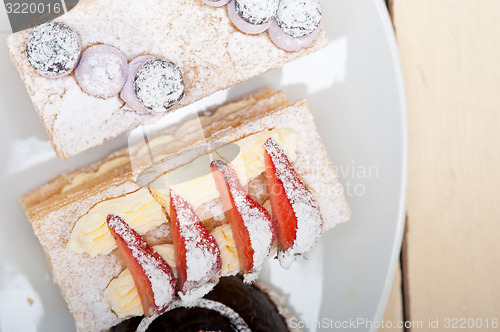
121, 293
119, 161
248, 164
222, 111
91, 234
153, 144
188, 127
105, 167
142, 211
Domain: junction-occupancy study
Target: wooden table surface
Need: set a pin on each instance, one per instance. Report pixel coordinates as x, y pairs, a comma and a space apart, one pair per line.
450, 53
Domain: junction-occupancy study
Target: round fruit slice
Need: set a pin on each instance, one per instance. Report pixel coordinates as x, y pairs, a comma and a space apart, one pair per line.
252, 16
53, 49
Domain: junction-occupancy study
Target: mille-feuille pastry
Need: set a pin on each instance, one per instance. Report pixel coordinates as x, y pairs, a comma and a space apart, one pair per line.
107, 66
125, 238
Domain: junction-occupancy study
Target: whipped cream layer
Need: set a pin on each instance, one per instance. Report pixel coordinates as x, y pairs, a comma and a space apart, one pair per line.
248, 164
91, 234
104, 168
122, 295
158, 142
141, 209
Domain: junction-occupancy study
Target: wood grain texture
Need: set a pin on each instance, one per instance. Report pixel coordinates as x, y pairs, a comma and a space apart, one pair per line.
450, 52
394, 310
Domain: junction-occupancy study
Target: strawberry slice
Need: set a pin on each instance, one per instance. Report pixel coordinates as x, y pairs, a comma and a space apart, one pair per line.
250, 223
152, 276
296, 214
197, 255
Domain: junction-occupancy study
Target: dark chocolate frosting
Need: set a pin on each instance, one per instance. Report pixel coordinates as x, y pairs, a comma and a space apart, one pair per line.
252, 304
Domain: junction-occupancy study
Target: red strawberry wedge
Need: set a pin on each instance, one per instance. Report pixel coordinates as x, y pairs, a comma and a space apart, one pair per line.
250, 223
197, 255
296, 214
152, 276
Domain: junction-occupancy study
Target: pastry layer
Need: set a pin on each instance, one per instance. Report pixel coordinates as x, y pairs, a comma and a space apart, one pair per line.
249, 164
119, 163
200, 39
140, 210
54, 213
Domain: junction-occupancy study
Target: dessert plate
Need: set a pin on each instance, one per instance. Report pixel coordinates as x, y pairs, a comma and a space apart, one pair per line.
354, 87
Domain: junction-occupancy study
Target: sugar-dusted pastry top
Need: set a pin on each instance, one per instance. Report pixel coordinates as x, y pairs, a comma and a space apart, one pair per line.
211, 53
84, 279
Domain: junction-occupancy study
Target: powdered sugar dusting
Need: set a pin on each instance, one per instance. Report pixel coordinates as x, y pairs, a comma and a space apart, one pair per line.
290, 43
159, 85
203, 259
200, 39
216, 3
122, 295
298, 18
255, 218
236, 320
53, 49
155, 268
128, 94
256, 11
242, 24
146, 321
258, 223
305, 207
190, 297
102, 71
82, 278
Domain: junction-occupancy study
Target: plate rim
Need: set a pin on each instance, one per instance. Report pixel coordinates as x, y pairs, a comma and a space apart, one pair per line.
390, 37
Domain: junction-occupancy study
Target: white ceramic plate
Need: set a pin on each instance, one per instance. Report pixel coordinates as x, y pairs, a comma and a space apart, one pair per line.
355, 90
